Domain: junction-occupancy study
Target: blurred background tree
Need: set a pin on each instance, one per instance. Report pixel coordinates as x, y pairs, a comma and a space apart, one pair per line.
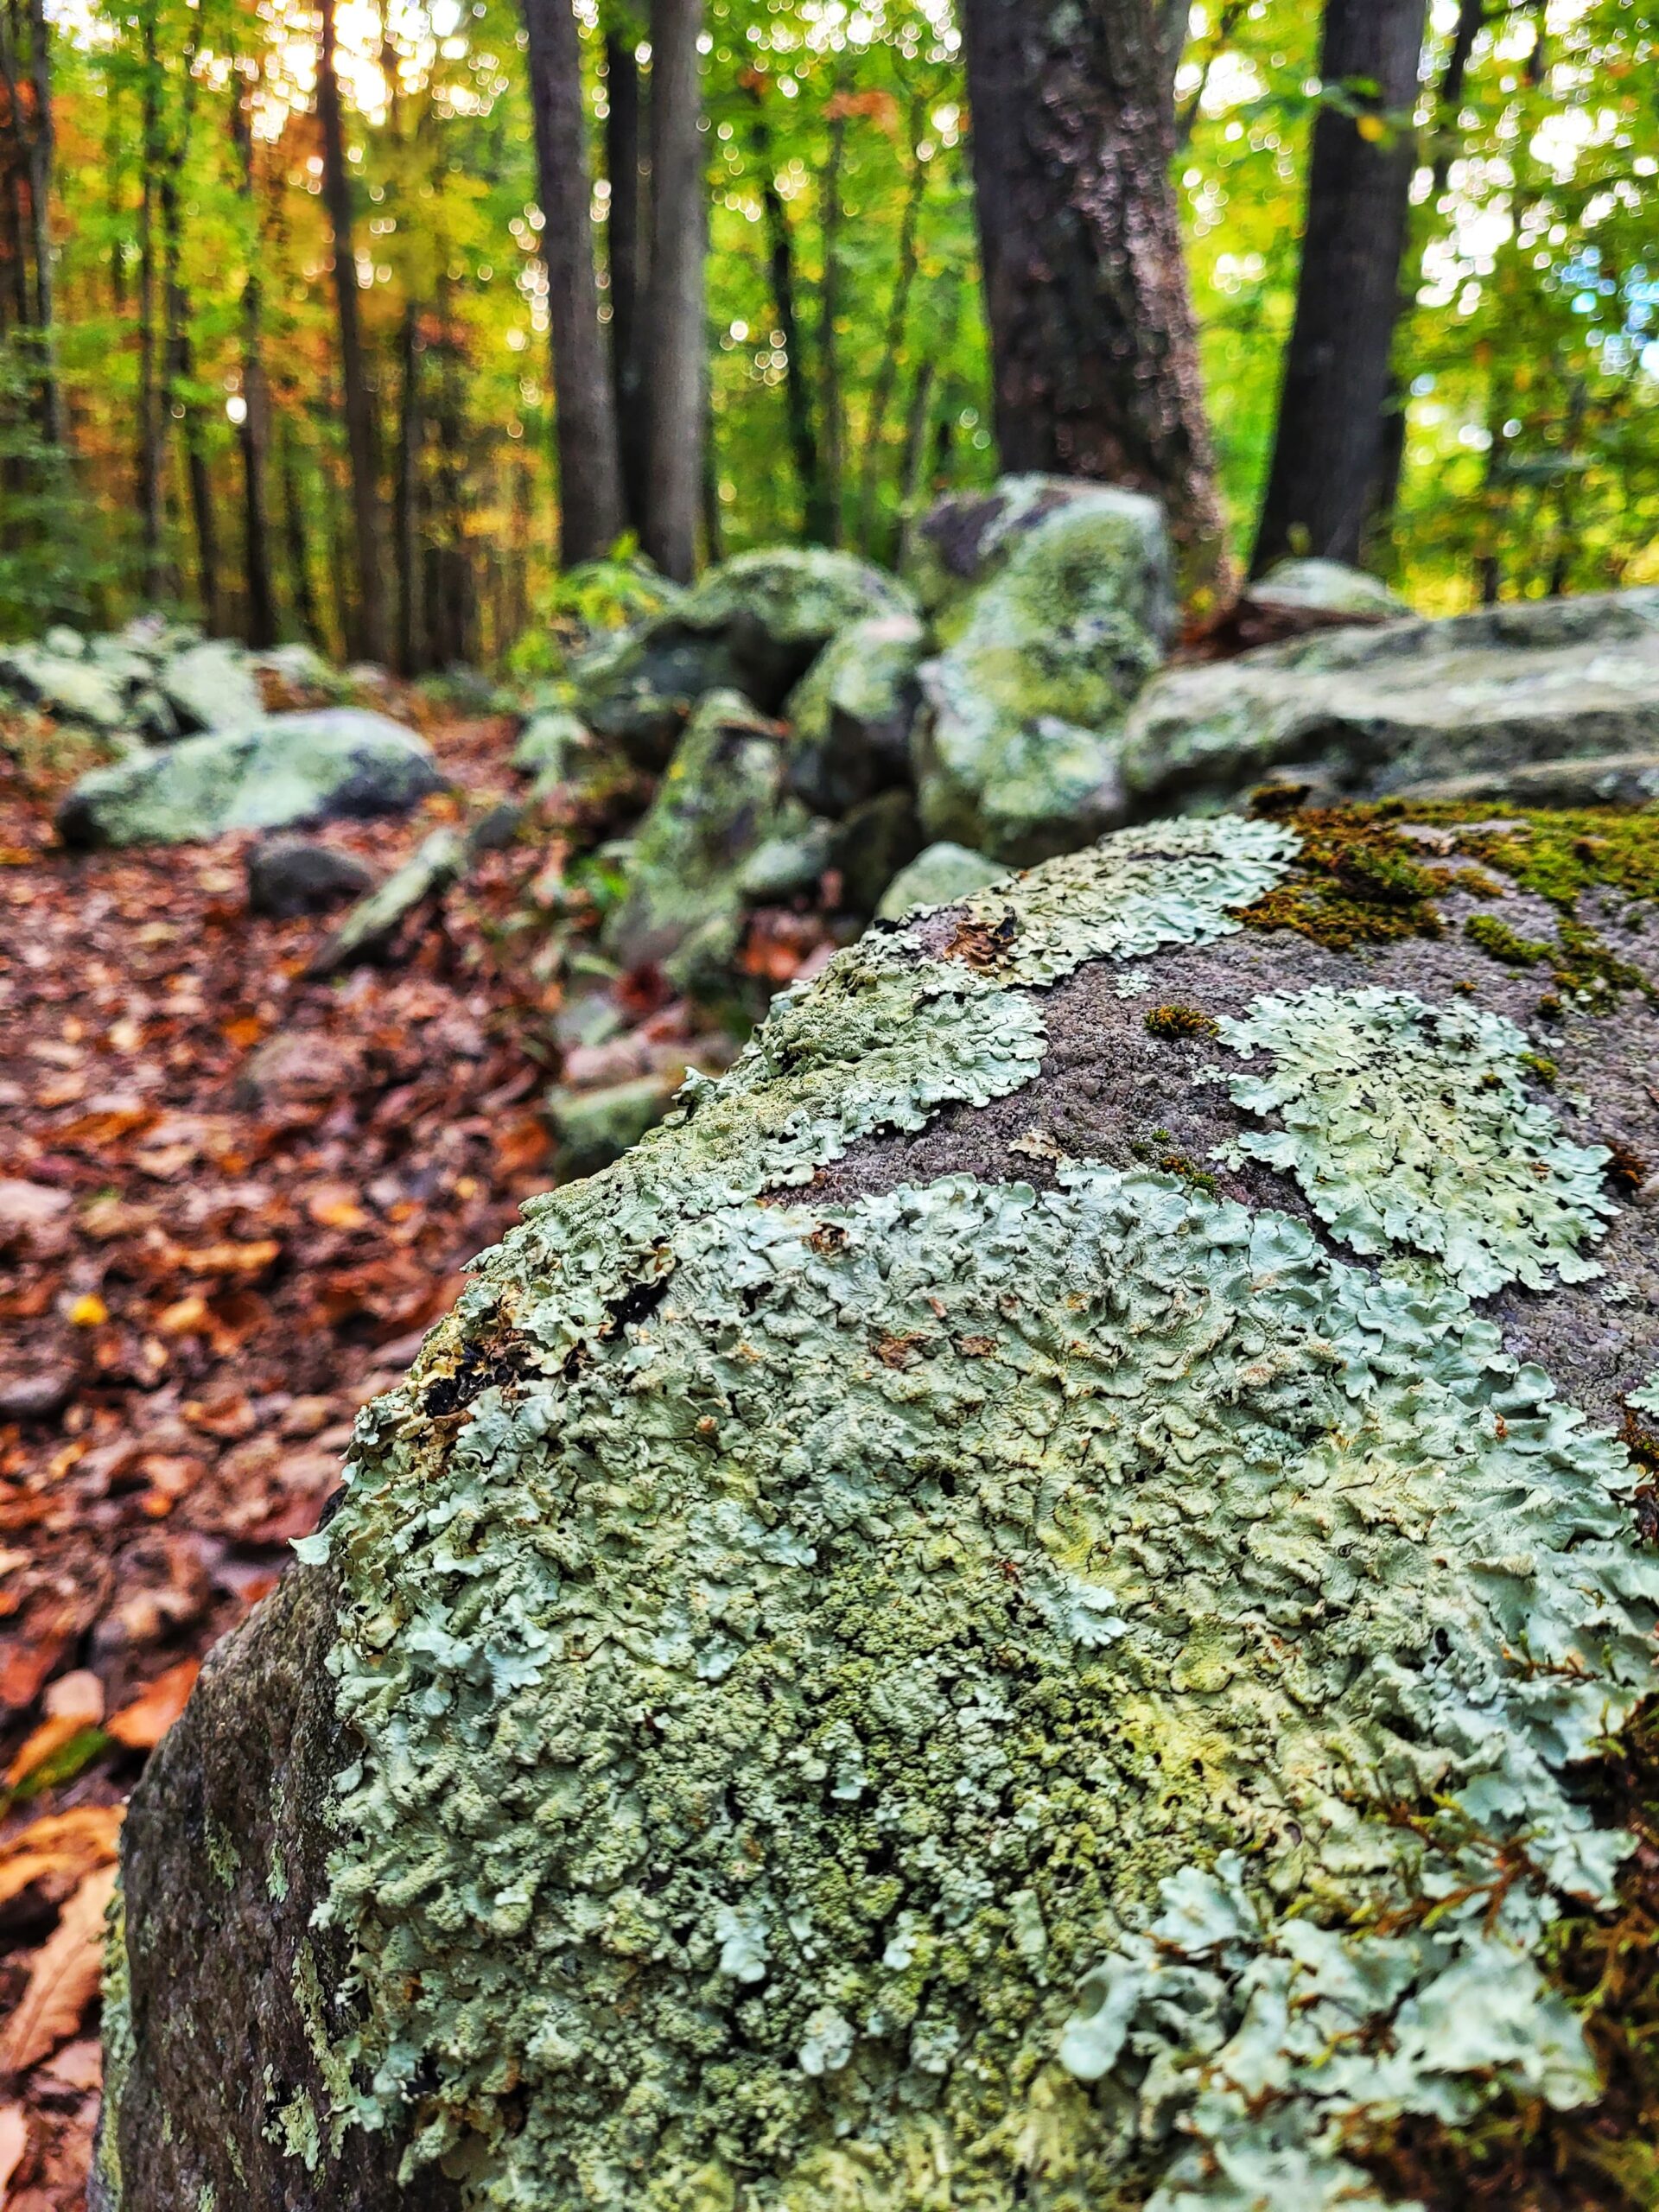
277, 291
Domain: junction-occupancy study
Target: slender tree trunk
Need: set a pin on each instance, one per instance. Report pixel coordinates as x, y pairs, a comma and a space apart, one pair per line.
590, 464
302, 597
178, 398
832, 404
624, 152
151, 425
370, 639
886, 374
781, 251
1328, 451
1093, 346
920, 414
42, 141
13, 177
407, 503
677, 335
253, 433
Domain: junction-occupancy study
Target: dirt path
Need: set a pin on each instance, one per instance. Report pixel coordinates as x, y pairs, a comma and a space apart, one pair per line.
231, 1202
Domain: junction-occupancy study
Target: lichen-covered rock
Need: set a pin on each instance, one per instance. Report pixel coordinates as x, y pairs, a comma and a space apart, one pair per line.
290, 875
753, 625
212, 686
367, 932
593, 1127
551, 744
1030, 1604
1602, 779
1069, 612
333, 763
939, 875
852, 714
1327, 588
1366, 711
66, 684
722, 798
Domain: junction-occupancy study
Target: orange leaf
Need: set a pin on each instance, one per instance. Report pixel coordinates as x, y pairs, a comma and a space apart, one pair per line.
50, 1735
332, 1210
229, 1259
143, 1723
522, 1145
63, 1977
246, 1029
60, 1843
184, 1317
89, 1311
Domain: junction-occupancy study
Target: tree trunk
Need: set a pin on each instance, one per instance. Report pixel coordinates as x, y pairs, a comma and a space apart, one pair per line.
1328, 451
40, 149
179, 400
678, 338
407, 504
886, 374
301, 595
624, 151
1093, 346
151, 427
253, 432
590, 465
780, 247
832, 405
370, 638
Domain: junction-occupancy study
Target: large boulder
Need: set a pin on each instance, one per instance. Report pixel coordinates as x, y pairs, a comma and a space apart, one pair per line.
332, 764
753, 625
65, 683
1037, 1601
722, 800
1060, 611
1378, 710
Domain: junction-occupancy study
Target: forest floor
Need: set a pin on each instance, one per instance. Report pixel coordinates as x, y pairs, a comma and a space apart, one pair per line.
231, 1200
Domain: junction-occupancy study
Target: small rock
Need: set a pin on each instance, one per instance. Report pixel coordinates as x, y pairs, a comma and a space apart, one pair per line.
288, 876
34, 1217
876, 840
938, 877
37, 1393
1327, 588
595, 1127
298, 1064
853, 712
495, 828
785, 865
551, 743
73, 689
1604, 779
368, 930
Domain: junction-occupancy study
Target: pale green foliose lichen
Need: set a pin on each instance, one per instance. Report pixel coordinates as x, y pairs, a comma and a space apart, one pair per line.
791, 1647
1410, 1124
1139, 892
119, 2049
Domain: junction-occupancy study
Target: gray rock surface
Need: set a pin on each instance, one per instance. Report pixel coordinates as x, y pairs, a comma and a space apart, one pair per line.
288, 876
942, 1619
1329, 588
335, 763
1053, 605
1370, 711
753, 625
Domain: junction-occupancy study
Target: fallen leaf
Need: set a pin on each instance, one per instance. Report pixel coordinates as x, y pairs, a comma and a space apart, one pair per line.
142, 1725
70, 1843
335, 1210
76, 1696
47, 1735
14, 2142
184, 1317
63, 1977
228, 1259
78, 2065
89, 1311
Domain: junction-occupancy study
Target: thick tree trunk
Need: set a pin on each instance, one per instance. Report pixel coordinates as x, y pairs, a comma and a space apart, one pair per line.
1093, 348
677, 339
253, 433
624, 152
370, 638
1328, 451
780, 251
590, 465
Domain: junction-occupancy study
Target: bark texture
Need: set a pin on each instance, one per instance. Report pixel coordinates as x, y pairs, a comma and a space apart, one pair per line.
1092, 339
676, 336
590, 469
371, 640
629, 268
1329, 452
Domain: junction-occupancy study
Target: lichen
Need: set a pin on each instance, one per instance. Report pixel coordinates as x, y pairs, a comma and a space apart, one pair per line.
120, 2052
788, 1646
1406, 1124
1137, 892
1175, 1021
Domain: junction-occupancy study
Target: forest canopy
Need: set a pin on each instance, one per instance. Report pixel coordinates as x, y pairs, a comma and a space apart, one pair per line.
175, 370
